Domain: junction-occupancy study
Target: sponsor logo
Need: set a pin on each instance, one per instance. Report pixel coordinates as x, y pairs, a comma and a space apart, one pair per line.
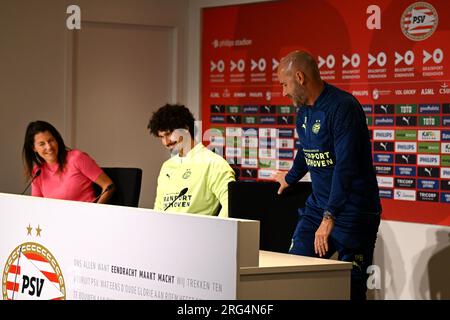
318, 159
387, 170
429, 121
428, 184
234, 132
429, 147
406, 121
250, 132
405, 183
428, 160
268, 132
265, 174
285, 154
428, 172
445, 173
284, 164
285, 109
446, 106
285, 120
383, 135
249, 163
250, 120
384, 109
267, 143
445, 135
383, 146
267, 164
446, 121
428, 196
217, 108
384, 121
32, 272
408, 195
267, 153
428, 135
386, 193
445, 197
429, 108
267, 120
249, 173
406, 108
285, 143
406, 158
285, 133
385, 182
419, 21
405, 171
217, 119
406, 135
445, 161
444, 89
267, 109
233, 109
233, 152
250, 142
445, 184
383, 158
367, 108
250, 109
406, 147
234, 119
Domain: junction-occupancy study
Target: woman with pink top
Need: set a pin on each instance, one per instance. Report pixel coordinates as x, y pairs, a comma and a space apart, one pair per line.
59, 172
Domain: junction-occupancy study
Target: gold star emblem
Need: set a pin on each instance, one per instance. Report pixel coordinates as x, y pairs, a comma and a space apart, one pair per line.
38, 231
29, 229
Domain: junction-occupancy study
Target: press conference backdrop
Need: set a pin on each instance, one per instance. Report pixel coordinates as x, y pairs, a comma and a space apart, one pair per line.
393, 56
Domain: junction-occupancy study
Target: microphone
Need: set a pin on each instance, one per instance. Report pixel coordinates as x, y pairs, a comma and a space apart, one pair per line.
182, 193
37, 174
105, 191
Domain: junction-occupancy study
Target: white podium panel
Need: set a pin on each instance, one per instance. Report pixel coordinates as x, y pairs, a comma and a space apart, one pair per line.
56, 249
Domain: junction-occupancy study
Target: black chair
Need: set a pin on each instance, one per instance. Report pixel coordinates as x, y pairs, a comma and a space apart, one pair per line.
278, 214
128, 186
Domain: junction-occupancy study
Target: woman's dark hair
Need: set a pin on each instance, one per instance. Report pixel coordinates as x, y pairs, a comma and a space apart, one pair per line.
30, 157
170, 117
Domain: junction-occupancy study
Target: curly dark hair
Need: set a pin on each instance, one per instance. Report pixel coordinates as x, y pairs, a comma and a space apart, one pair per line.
170, 117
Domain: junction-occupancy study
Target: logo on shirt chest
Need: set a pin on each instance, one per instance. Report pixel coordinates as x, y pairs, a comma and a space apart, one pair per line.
316, 127
187, 174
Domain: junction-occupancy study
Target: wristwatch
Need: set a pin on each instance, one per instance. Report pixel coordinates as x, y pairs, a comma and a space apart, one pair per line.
327, 215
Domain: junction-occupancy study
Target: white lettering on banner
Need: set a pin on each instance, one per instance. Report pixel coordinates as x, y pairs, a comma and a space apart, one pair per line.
445, 173
428, 160
383, 135
401, 194
406, 147
445, 148
385, 182
429, 135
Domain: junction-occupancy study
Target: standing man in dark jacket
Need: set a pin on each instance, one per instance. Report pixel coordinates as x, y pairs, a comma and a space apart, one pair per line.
343, 212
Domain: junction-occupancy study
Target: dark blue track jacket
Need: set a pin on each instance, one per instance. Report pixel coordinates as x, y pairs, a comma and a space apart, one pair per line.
334, 146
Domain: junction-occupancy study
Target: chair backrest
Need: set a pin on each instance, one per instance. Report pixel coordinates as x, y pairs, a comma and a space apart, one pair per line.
278, 214
128, 185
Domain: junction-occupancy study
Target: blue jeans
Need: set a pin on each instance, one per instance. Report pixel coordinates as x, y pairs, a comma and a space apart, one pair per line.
353, 237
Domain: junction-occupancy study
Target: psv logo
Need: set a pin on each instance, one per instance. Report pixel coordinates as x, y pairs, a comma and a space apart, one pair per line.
419, 21
32, 273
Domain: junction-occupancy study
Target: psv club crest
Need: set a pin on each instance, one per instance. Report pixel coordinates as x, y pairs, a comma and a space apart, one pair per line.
419, 21
31, 272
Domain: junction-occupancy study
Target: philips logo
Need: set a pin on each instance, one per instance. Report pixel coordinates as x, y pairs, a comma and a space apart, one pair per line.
445, 173
384, 135
406, 147
428, 160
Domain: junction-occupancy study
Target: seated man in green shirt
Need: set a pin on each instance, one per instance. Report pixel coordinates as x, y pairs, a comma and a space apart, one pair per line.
194, 174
